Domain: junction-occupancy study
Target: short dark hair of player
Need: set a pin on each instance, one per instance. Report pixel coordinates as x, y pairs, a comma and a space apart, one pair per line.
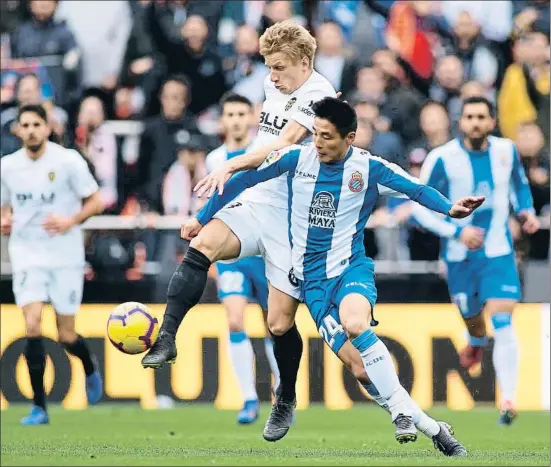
232, 97
34, 108
479, 100
339, 113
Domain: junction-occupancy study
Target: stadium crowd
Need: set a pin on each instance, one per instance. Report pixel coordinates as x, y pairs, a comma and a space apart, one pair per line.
404, 65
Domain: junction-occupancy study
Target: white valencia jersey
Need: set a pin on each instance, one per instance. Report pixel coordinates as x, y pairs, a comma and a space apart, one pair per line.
277, 110
55, 183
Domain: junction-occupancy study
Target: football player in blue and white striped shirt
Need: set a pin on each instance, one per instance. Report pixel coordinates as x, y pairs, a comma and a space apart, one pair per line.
333, 187
478, 251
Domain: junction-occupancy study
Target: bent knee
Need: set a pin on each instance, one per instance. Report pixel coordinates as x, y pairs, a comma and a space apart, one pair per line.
279, 324
66, 336
209, 245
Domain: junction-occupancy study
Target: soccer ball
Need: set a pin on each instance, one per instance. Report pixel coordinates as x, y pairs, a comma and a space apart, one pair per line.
132, 328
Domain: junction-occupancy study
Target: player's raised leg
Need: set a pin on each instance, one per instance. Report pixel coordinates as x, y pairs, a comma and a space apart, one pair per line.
240, 349
215, 242
36, 363
288, 352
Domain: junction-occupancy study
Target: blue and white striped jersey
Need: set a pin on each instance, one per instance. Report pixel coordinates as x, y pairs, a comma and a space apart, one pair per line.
495, 173
329, 204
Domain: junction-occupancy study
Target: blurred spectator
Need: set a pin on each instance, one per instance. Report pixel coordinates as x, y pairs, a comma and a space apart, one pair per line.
447, 85
279, 10
383, 144
402, 103
535, 158
28, 91
12, 14
526, 82
479, 59
174, 14
189, 168
99, 146
54, 45
368, 109
531, 15
101, 30
494, 17
435, 128
140, 72
341, 12
189, 54
160, 138
332, 59
245, 69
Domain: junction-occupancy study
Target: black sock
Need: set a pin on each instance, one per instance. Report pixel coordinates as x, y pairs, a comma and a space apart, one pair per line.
185, 289
288, 352
80, 349
36, 361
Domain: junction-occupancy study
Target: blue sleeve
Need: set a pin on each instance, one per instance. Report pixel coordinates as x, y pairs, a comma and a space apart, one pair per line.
388, 175
278, 165
521, 187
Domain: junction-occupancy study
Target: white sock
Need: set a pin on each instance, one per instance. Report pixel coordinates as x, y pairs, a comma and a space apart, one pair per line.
505, 356
269, 349
242, 357
380, 369
426, 425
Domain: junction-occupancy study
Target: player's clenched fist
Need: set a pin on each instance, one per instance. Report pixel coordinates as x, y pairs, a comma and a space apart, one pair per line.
190, 229
464, 207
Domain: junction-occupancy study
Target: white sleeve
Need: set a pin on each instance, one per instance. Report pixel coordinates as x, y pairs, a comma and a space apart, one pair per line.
303, 113
82, 180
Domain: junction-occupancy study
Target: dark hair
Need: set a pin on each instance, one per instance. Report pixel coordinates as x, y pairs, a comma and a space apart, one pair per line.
339, 113
230, 97
36, 109
180, 79
479, 100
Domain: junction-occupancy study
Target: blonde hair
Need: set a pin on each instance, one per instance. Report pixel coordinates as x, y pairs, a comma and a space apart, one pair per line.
289, 38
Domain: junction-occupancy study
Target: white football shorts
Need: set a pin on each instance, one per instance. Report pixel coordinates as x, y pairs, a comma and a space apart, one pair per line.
264, 230
62, 287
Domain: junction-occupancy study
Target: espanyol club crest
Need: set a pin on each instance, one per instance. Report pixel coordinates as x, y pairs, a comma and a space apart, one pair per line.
356, 182
290, 104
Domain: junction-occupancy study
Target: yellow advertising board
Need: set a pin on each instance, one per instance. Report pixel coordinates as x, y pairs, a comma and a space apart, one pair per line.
424, 341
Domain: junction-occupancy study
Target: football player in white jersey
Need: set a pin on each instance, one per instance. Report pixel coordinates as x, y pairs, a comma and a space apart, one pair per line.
47, 191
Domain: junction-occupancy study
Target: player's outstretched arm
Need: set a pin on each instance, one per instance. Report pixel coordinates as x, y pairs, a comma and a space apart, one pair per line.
391, 176
293, 133
523, 202
281, 163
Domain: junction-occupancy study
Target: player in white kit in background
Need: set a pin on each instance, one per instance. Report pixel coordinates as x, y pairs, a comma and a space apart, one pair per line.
245, 279
47, 191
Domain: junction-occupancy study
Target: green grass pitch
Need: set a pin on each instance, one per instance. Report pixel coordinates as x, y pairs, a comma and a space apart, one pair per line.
201, 435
